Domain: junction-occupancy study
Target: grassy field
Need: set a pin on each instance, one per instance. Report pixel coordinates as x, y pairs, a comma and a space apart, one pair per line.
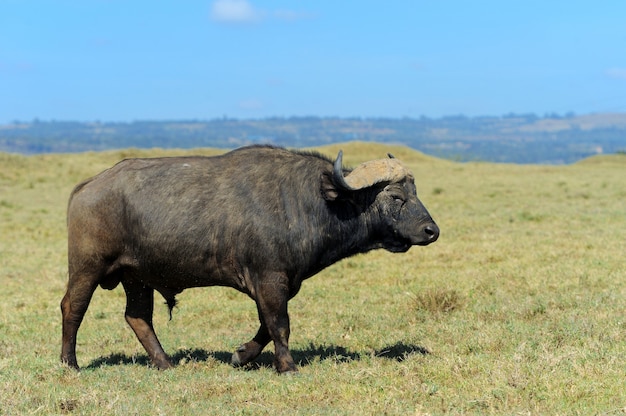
519, 308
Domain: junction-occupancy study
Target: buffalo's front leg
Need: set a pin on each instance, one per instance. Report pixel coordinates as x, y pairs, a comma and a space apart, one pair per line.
139, 309
272, 298
272, 294
250, 350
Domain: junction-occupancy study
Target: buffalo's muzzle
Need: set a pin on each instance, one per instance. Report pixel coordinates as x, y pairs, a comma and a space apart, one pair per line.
430, 234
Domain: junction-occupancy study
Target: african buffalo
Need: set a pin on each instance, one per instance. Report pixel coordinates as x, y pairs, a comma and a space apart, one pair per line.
259, 219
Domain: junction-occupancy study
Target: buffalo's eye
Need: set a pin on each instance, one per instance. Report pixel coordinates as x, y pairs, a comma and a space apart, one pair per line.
399, 199
396, 194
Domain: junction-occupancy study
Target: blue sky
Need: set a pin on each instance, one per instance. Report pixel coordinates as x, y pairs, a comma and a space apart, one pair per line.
122, 60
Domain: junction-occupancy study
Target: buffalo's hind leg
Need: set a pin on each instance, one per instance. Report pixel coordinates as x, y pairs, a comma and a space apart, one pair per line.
73, 308
139, 309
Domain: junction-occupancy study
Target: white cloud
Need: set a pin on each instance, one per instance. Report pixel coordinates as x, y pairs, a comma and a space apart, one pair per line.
243, 11
234, 11
616, 73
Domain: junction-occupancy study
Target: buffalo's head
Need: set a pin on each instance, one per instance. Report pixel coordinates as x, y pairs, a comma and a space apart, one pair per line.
386, 190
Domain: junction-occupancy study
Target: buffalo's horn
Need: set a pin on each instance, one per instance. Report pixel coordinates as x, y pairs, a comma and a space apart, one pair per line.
338, 172
369, 173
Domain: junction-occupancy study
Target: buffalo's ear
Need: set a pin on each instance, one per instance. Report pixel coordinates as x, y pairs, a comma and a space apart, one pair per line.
328, 188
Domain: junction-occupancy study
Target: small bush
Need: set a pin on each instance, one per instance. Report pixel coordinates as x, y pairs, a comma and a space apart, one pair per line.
438, 300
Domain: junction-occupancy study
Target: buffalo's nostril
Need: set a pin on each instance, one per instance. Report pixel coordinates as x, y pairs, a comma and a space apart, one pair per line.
432, 231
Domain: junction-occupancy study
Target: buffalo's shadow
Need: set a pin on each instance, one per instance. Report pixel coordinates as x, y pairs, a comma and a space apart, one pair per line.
302, 356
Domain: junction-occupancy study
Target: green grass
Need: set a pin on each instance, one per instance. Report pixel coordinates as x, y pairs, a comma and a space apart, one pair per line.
519, 308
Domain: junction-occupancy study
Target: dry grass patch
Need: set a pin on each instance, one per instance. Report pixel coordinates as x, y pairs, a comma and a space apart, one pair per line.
437, 300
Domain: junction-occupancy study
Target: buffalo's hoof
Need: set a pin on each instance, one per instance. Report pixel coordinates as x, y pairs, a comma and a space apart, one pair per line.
71, 363
246, 353
285, 367
163, 365
238, 358
292, 372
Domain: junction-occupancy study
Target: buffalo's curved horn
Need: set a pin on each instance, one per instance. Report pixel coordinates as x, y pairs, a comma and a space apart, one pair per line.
369, 173
340, 180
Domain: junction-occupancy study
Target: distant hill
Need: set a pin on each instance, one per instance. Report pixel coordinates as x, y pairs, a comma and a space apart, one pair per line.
512, 138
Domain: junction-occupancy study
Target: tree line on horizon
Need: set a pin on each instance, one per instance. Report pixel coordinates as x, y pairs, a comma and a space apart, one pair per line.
513, 138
